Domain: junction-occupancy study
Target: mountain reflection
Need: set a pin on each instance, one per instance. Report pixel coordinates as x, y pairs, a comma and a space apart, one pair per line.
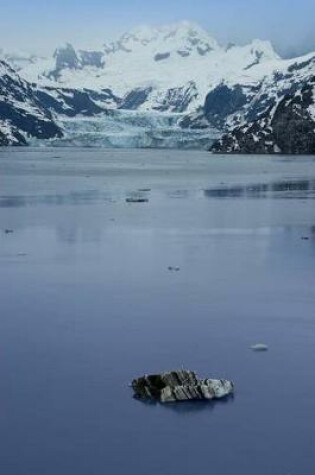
71, 198
301, 189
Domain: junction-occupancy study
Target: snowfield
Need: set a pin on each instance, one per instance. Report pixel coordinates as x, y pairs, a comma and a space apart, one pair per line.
173, 86
157, 58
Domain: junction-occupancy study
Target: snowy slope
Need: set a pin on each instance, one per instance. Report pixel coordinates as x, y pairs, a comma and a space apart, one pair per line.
176, 57
21, 114
234, 102
179, 74
286, 123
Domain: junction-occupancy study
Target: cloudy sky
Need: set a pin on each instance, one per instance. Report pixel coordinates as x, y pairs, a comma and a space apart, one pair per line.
40, 25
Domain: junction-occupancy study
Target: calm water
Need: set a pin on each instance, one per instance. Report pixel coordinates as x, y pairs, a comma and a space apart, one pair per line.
87, 303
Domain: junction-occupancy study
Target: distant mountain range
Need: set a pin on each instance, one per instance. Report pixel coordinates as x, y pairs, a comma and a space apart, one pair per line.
173, 86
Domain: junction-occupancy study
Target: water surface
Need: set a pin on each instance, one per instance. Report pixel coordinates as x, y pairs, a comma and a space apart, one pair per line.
88, 303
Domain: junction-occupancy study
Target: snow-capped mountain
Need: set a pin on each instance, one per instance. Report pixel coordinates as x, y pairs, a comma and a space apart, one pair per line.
287, 127
152, 62
277, 114
22, 115
174, 79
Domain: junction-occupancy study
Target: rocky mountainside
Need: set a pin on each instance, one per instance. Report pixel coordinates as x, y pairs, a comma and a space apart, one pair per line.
69, 102
173, 86
277, 115
22, 114
288, 127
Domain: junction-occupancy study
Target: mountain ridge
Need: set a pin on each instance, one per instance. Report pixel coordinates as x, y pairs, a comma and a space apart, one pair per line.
175, 69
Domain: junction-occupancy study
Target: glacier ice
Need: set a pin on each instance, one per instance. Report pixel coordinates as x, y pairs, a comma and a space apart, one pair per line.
131, 129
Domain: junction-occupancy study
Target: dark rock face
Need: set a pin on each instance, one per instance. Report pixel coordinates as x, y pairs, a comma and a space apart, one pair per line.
183, 53
178, 99
288, 127
161, 56
135, 98
22, 115
92, 58
33, 126
67, 58
180, 385
14, 138
222, 102
174, 100
293, 127
72, 102
194, 120
258, 55
201, 46
119, 45
300, 65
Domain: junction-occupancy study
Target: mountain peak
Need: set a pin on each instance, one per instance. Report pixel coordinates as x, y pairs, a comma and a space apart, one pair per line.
66, 57
185, 37
265, 48
182, 28
142, 32
185, 28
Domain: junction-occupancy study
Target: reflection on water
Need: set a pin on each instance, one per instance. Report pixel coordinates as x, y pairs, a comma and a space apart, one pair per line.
186, 407
283, 189
71, 198
299, 189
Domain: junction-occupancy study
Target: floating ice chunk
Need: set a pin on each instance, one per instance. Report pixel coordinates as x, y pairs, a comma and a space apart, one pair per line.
259, 347
182, 385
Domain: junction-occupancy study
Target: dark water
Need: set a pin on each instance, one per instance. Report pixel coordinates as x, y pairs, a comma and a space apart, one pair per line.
87, 303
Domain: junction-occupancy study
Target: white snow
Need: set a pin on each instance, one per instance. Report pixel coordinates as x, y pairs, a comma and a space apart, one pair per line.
7, 130
182, 57
312, 106
194, 56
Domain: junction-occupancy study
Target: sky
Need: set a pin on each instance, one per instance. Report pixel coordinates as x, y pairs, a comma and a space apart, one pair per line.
42, 25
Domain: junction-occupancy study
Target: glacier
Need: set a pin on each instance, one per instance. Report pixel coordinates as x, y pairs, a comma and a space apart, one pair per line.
131, 129
168, 87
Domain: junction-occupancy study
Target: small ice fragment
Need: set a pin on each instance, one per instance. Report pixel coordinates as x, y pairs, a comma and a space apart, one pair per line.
134, 199
259, 347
